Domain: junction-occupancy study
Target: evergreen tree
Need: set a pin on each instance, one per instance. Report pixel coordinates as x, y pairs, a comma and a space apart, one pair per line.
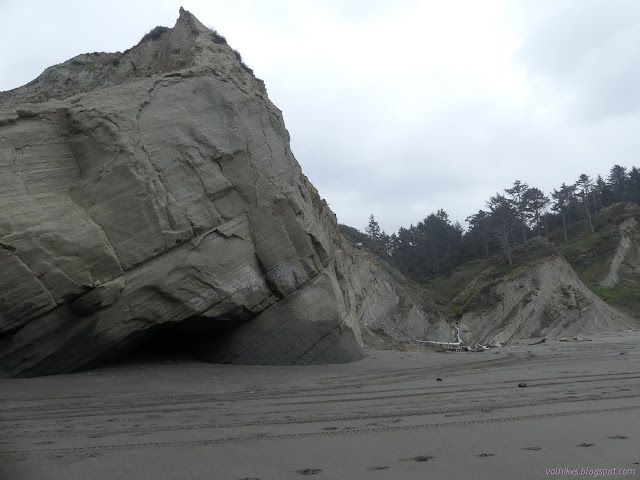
505, 216
534, 202
373, 230
404, 251
602, 194
633, 186
563, 200
385, 243
441, 240
480, 229
435, 246
517, 194
583, 187
617, 179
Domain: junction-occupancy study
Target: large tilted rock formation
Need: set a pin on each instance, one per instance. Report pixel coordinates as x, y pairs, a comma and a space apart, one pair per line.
156, 188
544, 299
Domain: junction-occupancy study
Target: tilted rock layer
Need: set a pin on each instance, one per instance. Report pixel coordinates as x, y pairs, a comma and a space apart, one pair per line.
155, 188
546, 299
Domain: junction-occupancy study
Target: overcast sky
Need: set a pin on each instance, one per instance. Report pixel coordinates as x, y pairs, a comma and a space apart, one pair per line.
399, 108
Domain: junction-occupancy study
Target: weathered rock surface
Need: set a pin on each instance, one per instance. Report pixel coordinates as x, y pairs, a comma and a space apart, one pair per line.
546, 299
625, 264
156, 188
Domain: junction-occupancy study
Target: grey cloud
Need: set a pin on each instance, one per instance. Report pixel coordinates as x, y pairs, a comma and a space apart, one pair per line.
611, 87
439, 164
562, 33
398, 146
588, 51
363, 10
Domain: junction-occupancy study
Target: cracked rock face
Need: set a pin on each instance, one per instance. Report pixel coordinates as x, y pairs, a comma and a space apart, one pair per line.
157, 188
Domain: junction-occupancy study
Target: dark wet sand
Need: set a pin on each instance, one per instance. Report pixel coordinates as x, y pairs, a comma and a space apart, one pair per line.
385, 417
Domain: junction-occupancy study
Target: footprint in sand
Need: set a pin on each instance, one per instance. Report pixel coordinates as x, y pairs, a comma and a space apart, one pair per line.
91, 455
309, 471
418, 458
423, 458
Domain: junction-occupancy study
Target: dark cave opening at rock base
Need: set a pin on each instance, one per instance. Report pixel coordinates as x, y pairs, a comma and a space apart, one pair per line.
170, 342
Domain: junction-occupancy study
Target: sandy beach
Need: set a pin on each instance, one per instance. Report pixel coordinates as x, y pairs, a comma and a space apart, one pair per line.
387, 416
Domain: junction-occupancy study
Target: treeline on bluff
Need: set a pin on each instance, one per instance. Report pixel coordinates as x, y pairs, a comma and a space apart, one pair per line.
436, 246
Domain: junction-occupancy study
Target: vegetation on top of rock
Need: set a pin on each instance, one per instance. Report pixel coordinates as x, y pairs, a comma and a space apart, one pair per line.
460, 288
242, 64
221, 40
593, 257
83, 64
217, 38
355, 235
154, 34
436, 246
581, 222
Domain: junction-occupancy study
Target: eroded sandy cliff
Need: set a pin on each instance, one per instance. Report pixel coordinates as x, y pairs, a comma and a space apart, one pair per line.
156, 189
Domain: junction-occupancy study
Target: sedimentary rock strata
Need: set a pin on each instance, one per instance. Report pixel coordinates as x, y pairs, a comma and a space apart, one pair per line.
545, 299
156, 188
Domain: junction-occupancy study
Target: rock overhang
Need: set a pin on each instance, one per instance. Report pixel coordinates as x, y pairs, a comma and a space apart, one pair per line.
159, 194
